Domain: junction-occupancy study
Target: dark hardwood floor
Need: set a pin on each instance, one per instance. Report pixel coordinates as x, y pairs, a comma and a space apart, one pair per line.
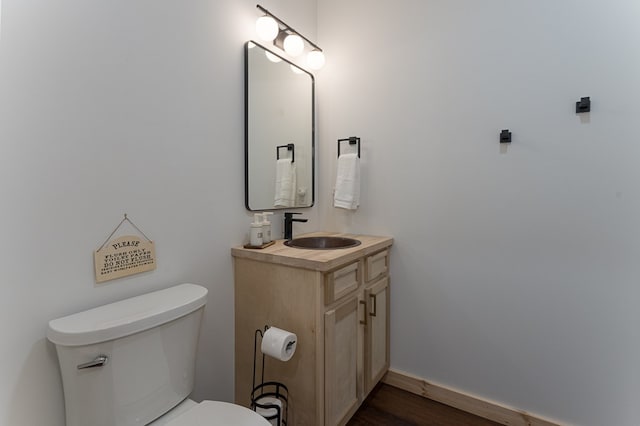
388, 405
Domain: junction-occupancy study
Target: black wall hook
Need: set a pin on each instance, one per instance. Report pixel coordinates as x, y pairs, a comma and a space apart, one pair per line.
505, 136
583, 105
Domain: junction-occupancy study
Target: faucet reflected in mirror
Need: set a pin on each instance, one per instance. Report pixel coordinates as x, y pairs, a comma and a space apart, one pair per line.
279, 132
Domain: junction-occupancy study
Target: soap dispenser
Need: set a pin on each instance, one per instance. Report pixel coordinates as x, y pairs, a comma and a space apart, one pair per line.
266, 227
255, 238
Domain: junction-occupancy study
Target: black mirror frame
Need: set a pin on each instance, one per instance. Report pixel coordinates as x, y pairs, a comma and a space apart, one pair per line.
246, 130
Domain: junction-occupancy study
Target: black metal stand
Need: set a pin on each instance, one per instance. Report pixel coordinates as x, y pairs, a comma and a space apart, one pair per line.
264, 394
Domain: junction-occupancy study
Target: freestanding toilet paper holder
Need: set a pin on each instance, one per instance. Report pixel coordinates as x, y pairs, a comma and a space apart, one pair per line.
269, 399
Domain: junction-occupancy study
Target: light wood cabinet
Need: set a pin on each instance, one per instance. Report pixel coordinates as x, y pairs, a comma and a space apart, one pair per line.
377, 333
343, 352
337, 303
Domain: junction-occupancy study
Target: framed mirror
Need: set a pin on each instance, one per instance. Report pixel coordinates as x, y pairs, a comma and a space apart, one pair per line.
279, 132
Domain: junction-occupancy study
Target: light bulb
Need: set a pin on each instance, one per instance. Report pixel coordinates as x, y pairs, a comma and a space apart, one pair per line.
267, 28
270, 56
315, 59
296, 70
293, 45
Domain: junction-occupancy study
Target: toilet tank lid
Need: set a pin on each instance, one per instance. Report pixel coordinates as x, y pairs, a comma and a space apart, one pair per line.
127, 316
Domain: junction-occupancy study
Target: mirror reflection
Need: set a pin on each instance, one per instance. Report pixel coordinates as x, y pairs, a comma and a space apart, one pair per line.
279, 145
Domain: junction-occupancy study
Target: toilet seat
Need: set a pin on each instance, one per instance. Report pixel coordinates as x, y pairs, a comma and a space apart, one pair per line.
217, 413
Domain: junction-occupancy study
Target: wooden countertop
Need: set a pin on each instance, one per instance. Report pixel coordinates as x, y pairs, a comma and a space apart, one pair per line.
317, 260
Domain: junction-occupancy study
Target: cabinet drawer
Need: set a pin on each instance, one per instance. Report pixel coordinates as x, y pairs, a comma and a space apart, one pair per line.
376, 265
342, 282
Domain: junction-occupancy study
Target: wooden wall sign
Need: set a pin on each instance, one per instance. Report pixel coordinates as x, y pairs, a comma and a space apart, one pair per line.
124, 256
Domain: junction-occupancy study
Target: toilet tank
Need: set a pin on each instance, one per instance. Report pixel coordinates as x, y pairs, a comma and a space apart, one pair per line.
149, 342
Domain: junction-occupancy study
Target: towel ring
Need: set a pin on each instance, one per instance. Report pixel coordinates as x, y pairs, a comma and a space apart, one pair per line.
290, 147
353, 140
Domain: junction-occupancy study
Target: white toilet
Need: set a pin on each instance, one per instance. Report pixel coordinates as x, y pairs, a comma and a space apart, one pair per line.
132, 363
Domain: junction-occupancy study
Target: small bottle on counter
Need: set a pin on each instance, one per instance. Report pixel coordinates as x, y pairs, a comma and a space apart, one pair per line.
255, 238
266, 227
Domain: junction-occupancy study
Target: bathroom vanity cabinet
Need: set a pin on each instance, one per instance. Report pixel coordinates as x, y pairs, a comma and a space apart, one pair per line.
337, 303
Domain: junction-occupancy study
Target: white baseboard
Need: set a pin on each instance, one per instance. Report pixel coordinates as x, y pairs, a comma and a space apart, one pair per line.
465, 402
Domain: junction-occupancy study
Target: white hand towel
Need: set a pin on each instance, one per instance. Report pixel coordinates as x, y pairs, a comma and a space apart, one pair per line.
285, 183
347, 191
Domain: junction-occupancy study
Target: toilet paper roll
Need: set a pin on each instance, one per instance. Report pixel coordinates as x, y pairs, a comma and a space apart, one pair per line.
270, 412
279, 344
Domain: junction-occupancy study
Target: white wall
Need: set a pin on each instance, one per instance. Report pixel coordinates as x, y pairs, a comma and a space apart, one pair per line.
109, 108
515, 271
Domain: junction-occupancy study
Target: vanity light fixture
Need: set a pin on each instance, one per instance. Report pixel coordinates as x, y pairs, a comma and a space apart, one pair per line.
293, 45
288, 39
315, 59
267, 28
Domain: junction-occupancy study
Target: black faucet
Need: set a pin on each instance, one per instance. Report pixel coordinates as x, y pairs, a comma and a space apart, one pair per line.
288, 224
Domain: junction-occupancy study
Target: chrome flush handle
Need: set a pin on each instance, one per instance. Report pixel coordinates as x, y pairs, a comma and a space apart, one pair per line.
99, 361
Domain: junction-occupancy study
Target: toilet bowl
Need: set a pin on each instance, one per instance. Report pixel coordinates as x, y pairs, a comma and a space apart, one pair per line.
132, 363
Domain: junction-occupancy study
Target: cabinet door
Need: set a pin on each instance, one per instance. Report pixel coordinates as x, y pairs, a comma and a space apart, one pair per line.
377, 333
344, 339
